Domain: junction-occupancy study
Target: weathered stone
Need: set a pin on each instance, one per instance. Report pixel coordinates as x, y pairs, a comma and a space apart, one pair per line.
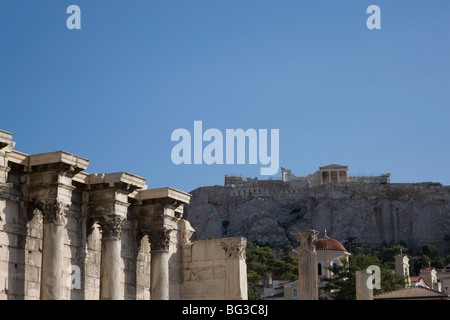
374, 213
67, 234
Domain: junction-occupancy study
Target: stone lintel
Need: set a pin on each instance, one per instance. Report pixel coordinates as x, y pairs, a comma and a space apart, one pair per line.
18, 158
108, 193
123, 179
56, 157
165, 193
165, 202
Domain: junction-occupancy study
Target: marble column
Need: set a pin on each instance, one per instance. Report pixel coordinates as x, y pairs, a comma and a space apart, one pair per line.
108, 206
49, 189
159, 273
110, 272
307, 264
52, 248
363, 292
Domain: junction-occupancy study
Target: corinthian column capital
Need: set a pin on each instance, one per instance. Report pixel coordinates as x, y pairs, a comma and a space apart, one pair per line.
307, 240
159, 239
235, 247
111, 226
53, 210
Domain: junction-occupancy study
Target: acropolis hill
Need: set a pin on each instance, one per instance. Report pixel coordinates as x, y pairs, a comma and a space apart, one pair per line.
371, 209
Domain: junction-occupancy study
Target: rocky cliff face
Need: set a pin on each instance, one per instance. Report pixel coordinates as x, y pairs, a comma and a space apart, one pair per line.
373, 213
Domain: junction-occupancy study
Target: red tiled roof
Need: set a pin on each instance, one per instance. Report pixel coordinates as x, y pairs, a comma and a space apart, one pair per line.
329, 244
412, 293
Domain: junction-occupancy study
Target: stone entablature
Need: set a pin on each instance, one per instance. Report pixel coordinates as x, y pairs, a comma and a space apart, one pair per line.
68, 234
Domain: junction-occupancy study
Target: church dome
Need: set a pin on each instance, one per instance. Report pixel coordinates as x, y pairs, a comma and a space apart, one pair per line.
329, 244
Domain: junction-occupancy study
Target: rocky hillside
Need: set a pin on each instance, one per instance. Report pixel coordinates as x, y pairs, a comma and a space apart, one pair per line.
374, 213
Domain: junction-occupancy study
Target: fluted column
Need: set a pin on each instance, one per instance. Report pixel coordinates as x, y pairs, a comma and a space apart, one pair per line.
307, 264
159, 273
110, 273
52, 248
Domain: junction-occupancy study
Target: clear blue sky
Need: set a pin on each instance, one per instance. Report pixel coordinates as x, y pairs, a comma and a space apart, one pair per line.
113, 92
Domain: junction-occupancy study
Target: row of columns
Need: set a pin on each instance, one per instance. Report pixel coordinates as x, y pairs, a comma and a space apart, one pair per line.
50, 191
328, 175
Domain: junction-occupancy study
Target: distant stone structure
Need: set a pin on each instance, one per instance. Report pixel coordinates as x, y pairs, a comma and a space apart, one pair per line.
333, 173
68, 234
370, 208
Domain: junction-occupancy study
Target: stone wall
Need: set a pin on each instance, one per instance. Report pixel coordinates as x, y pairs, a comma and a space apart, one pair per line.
215, 269
374, 213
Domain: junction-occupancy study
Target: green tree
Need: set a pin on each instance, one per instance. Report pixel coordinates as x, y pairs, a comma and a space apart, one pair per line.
429, 251
254, 294
342, 286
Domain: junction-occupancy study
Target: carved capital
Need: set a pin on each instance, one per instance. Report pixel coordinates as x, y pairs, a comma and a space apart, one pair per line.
307, 240
235, 247
111, 227
53, 210
159, 239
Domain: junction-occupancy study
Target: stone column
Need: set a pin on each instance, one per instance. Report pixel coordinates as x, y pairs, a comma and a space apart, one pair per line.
110, 272
159, 272
49, 189
108, 205
307, 264
362, 290
158, 214
235, 268
52, 248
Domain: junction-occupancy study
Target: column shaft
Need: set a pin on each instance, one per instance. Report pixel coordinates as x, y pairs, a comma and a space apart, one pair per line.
53, 211
159, 272
307, 264
159, 275
307, 273
110, 273
52, 262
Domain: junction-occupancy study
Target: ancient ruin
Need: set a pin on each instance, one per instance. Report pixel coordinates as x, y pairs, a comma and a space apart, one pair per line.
370, 208
68, 234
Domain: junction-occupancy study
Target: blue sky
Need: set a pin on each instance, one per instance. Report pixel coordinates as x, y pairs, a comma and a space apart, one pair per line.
113, 92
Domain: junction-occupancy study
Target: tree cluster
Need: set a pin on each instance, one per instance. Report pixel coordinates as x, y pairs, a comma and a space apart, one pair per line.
261, 262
